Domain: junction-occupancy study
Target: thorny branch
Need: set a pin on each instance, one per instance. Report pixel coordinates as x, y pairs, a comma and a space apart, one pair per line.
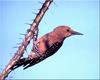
30, 35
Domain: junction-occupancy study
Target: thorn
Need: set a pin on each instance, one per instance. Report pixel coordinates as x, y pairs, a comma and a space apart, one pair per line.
20, 38
55, 4
22, 34
34, 13
28, 24
15, 47
11, 53
40, 2
32, 20
34, 9
45, 22
29, 30
39, 9
18, 43
1, 68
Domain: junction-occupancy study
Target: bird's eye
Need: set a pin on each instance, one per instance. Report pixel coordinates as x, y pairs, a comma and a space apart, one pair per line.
68, 30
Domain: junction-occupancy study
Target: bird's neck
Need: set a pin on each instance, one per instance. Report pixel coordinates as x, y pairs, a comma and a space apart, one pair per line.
58, 37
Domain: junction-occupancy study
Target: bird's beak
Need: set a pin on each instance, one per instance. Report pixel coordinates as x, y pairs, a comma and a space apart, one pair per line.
76, 33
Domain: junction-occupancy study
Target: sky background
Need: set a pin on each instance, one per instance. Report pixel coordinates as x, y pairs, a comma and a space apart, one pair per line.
78, 58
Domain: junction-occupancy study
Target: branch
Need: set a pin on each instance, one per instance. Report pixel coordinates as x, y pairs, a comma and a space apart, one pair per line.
26, 40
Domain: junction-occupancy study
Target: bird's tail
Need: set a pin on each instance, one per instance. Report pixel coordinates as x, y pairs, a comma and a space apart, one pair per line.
27, 62
21, 62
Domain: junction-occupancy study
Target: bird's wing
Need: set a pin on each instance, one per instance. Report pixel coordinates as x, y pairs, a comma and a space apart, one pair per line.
50, 51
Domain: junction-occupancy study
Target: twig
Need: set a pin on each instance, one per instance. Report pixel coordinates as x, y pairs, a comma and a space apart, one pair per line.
26, 40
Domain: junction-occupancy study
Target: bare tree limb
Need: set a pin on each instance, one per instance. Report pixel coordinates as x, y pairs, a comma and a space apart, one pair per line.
26, 40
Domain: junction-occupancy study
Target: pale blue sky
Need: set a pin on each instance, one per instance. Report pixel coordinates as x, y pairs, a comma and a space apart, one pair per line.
79, 56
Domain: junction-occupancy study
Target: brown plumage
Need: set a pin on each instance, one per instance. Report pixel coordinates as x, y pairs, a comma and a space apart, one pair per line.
46, 46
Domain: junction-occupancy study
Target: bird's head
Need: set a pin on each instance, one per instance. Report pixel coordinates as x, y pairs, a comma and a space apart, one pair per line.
65, 31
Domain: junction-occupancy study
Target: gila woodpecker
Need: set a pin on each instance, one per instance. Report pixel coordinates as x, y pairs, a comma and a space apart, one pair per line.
46, 46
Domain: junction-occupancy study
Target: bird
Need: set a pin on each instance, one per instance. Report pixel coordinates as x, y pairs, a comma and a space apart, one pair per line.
46, 46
